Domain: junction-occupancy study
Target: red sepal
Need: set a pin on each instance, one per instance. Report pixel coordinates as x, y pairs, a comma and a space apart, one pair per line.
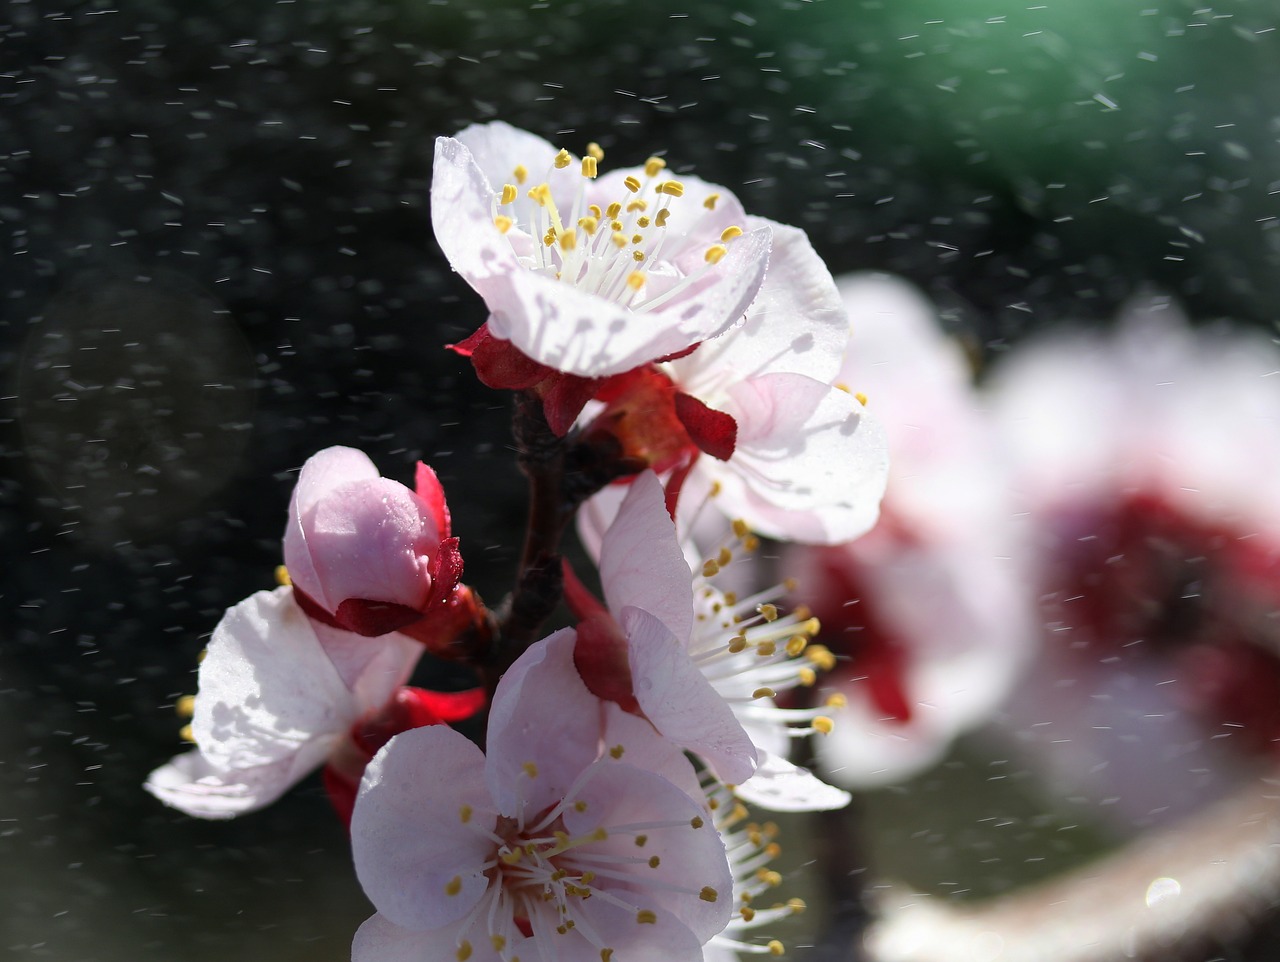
600, 653
373, 618
498, 363
712, 431
427, 486
563, 398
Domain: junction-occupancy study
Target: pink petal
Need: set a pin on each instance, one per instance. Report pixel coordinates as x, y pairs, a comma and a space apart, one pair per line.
780, 786
641, 562
617, 794
191, 785
581, 333
408, 837
560, 734
802, 447
679, 700
797, 324
427, 486
268, 689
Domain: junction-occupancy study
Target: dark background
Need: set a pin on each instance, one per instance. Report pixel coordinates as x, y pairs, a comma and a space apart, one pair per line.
218, 259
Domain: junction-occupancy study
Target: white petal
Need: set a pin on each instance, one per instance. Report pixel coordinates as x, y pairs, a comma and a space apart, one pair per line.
780, 786
190, 784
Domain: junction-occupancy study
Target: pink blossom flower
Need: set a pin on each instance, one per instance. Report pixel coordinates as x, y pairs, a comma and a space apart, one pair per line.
279, 693
636, 653
1145, 462
926, 614
588, 276
546, 847
755, 414
731, 655
364, 552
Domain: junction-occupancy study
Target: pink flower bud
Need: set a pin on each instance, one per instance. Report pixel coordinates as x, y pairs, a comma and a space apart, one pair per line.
364, 552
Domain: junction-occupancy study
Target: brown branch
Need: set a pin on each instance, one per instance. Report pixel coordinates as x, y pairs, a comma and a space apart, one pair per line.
1209, 880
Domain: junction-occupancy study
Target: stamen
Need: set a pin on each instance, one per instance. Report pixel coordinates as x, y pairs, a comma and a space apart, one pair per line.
589, 167
824, 724
521, 173
563, 159
708, 894
653, 166
671, 187
710, 202
186, 734
632, 184
282, 576
185, 707
729, 233
646, 917
508, 194
595, 151
503, 223
660, 219
635, 280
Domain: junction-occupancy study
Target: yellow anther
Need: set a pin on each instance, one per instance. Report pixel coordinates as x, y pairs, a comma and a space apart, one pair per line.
766, 648
697, 821
616, 751
282, 576
464, 814
568, 241
579, 806
595, 210
613, 210
635, 280
186, 734
540, 194
824, 724
453, 886
736, 644
600, 835
710, 202
837, 700
807, 677
796, 906
661, 217
653, 166
750, 543
802, 611
563, 159
530, 769
637, 204
654, 861
764, 691
773, 850
821, 656
589, 167
671, 187
713, 803
646, 917
521, 173
615, 225
710, 568
185, 706
811, 626
204, 653
776, 947
595, 151
619, 239
508, 194
549, 238
724, 557
715, 253
503, 223
637, 238
729, 233
730, 597
768, 612
641, 840
632, 184
747, 913
588, 878
769, 877
464, 951
498, 942
862, 398
637, 256
740, 529
643, 220
708, 894
512, 857
796, 645
589, 224
606, 955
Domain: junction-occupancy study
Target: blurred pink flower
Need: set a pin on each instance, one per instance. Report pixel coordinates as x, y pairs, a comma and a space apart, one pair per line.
582, 835
1145, 461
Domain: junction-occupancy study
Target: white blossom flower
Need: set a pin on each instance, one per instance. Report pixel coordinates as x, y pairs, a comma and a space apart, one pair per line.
278, 696
591, 275
546, 847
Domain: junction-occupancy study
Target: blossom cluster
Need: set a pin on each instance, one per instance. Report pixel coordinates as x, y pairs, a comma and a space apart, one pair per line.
692, 385
677, 367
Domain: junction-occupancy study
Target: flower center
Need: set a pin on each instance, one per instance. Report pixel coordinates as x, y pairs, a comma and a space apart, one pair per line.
621, 247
